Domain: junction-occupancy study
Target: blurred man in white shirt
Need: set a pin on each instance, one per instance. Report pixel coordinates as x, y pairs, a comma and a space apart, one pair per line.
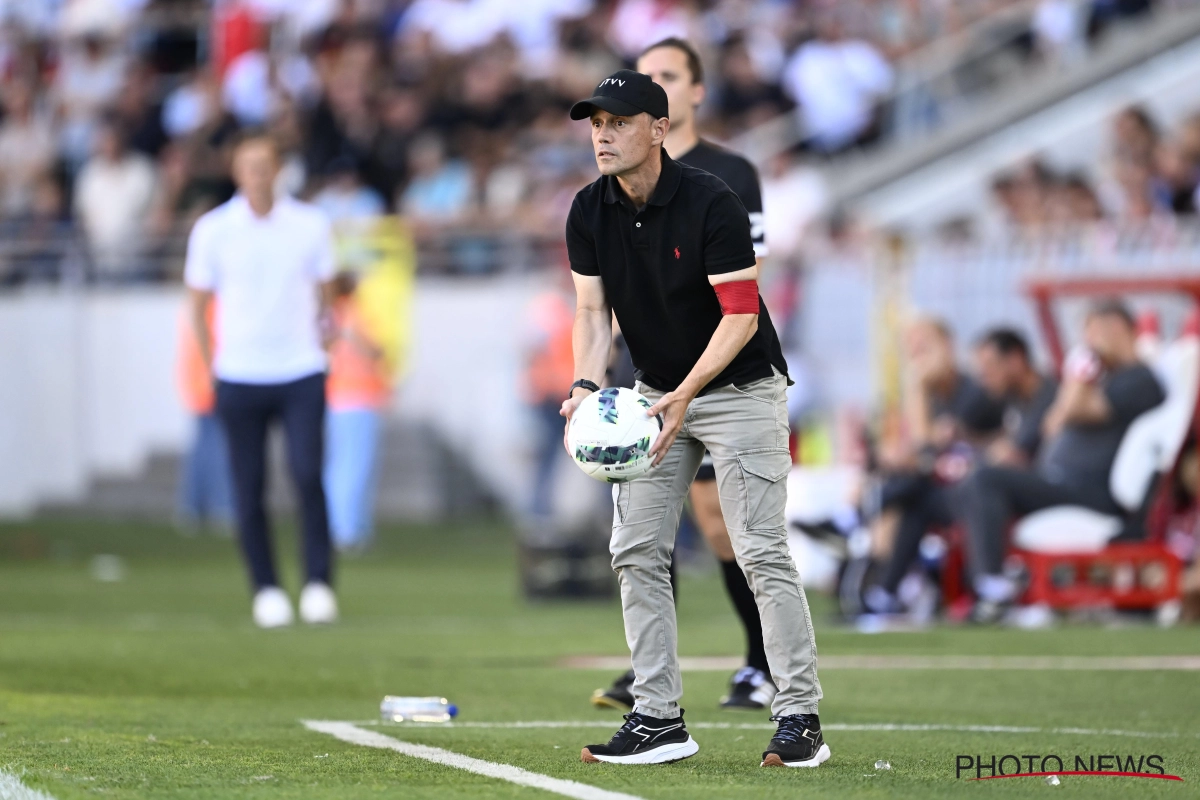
838, 83
271, 262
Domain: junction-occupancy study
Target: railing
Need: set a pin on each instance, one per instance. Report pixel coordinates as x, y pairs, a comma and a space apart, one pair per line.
59, 252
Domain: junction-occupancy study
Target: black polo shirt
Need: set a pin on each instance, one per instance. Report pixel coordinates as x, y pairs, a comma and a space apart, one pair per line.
655, 262
740, 175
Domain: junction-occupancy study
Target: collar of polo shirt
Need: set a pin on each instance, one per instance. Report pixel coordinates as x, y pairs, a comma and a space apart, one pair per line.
664, 190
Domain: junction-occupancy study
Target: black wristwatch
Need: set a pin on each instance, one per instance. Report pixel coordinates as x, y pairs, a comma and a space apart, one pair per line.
582, 383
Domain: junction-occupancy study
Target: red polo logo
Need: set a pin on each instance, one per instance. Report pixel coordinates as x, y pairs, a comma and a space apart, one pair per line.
676, 252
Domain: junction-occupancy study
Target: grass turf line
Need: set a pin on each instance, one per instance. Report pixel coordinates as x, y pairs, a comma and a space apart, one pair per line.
159, 686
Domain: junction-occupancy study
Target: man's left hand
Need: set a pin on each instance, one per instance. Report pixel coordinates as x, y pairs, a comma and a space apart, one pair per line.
673, 406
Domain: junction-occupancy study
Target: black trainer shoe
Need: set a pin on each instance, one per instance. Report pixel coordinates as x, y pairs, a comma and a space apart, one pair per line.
797, 743
616, 696
644, 740
749, 688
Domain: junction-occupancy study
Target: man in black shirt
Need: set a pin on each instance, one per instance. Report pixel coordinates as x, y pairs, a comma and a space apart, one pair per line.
1104, 389
674, 65
1007, 404
947, 414
1006, 372
667, 249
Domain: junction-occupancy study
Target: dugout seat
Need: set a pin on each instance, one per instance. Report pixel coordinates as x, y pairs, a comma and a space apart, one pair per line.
1076, 556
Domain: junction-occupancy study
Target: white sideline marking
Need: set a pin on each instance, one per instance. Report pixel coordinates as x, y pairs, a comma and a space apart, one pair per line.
1073, 663
348, 732
11, 788
884, 727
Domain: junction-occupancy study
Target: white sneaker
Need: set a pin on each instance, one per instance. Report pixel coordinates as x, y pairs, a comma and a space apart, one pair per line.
272, 608
318, 604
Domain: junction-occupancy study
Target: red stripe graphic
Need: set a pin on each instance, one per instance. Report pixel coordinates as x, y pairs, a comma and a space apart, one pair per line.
1082, 772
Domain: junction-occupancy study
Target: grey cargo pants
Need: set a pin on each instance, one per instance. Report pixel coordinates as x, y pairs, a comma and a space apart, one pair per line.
745, 428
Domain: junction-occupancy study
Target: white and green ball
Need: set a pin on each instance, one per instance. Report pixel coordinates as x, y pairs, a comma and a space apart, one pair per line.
610, 435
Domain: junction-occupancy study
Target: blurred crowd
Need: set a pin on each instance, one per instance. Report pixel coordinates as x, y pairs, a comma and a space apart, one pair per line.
1148, 172
117, 114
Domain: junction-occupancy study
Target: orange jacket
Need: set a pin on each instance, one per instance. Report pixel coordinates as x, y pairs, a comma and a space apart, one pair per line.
355, 379
193, 375
552, 365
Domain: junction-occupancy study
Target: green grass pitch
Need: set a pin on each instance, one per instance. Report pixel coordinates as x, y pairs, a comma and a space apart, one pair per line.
158, 686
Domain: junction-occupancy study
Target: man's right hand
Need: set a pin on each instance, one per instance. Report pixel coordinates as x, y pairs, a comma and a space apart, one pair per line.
568, 410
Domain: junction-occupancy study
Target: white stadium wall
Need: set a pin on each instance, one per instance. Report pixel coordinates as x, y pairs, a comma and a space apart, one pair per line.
88, 385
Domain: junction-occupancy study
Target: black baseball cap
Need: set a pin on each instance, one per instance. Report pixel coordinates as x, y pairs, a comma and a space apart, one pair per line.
624, 93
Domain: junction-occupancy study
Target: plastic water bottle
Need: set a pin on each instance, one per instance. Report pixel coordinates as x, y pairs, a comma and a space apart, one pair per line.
417, 709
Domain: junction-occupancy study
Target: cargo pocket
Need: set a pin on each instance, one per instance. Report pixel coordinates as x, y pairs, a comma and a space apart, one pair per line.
763, 488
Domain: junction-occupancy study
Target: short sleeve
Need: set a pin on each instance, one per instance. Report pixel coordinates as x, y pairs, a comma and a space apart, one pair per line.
728, 246
581, 247
750, 193
200, 269
324, 260
1028, 436
1132, 392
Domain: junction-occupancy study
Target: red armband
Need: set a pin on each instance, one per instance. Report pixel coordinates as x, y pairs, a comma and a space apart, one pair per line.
738, 297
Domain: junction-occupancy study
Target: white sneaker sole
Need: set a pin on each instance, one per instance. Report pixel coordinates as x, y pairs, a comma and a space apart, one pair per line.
676, 751
820, 758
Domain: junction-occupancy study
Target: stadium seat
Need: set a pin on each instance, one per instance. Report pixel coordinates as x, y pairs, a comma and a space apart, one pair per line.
1076, 556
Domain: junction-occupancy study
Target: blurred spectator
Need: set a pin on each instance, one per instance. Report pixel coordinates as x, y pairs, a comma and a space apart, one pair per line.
1059, 30
637, 24
88, 80
452, 27
440, 189
139, 112
794, 197
1005, 370
401, 115
112, 198
948, 416
27, 150
746, 98
1105, 388
838, 84
358, 390
248, 89
344, 196
190, 105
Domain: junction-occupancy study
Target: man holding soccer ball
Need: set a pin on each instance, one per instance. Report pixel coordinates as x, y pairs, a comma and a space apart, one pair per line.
676, 66
668, 249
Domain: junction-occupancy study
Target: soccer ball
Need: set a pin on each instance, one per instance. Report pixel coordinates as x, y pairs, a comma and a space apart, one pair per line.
610, 435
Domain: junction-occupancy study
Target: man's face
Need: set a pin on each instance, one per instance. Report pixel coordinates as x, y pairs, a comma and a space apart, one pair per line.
254, 167
1108, 336
997, 373
622, 144
668, 67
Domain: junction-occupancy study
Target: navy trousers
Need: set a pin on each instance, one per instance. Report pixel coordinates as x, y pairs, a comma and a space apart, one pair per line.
247, 411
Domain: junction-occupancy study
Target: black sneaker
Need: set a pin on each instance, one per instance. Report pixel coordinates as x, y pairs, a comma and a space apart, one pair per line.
797, 743
616, 696
644, 740
751, 689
